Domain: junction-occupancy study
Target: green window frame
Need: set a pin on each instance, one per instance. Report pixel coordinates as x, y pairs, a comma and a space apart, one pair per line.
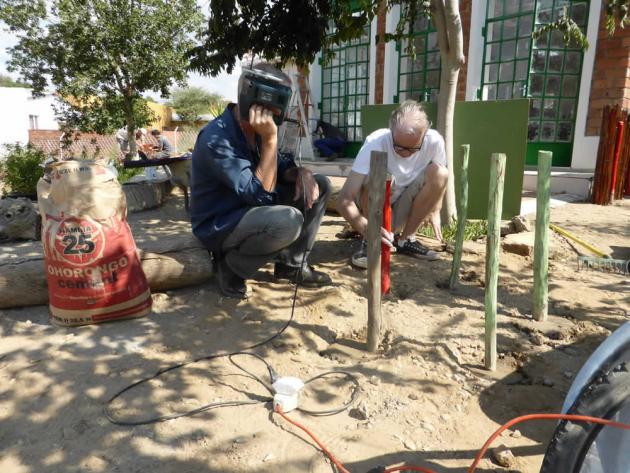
543, 70
346, 86
419, 77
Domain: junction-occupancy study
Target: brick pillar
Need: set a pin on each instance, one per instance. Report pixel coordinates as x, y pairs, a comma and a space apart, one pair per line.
380, 53
465, 11
611, 74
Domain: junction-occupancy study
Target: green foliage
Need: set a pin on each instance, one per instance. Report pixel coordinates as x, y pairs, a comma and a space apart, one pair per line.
21, 167
192, 102
124, 174
617, 14
473, 230
571, 32
101, 55
6, 81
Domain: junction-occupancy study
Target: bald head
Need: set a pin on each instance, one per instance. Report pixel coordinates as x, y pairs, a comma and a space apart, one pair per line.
409, 119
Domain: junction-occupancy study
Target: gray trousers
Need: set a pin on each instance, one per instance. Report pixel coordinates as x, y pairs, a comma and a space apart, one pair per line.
284, 233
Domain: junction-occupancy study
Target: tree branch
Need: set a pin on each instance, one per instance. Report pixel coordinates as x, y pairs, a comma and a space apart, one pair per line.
453, 28
439, 21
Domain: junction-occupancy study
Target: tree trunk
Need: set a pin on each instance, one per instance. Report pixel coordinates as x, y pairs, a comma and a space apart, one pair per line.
131, 127
445, 15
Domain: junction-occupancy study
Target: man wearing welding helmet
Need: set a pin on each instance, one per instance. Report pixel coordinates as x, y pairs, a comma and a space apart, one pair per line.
416, 160
250, 205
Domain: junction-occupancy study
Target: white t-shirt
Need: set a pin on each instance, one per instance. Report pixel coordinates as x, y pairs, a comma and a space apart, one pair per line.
403, 170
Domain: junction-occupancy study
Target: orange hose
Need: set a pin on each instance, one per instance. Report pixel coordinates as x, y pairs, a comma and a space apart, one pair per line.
483, 450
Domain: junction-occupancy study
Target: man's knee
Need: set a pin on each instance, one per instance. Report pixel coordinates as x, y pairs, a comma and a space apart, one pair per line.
437, 175
288, 222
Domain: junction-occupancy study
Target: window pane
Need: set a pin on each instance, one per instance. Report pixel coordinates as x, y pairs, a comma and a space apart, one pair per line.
492, 52
511, 7
541, 41
532, 131
433, 60
538, 61
505, 91
490, 92
518, 90
508, 50
548, 131
549, 109
579, 12
506, 71
557, 40
565, 131
494, 31
327, 75
572, 62
534, 108
527, 5
433, 79
522, 48
521, 70
555, 61
569, 86
433, 41
498, 8
536, 84
525, 25
567, 109
509, 28
553, 85
492, 73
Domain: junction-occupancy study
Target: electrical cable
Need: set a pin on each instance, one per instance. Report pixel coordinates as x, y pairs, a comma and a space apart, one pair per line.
482, 451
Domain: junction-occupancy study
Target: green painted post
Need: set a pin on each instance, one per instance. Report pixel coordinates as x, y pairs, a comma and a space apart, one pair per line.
495, 206
462, 209
541, 241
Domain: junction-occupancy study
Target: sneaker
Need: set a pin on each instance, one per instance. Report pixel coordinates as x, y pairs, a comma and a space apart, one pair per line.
308, 276
230, 284
359, 258
411, 247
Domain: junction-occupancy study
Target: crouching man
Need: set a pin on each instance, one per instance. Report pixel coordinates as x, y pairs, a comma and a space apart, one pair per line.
249, 205
416, 160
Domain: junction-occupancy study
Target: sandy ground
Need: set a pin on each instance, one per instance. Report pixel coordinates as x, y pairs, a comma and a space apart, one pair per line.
424, 399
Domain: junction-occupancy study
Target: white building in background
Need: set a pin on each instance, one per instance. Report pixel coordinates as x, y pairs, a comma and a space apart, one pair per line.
20, 112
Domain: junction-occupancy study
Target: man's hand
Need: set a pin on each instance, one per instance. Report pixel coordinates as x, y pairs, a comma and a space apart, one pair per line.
435, 221
311, 189
261, 120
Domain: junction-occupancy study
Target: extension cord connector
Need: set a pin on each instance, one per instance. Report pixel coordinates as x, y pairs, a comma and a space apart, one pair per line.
287, 390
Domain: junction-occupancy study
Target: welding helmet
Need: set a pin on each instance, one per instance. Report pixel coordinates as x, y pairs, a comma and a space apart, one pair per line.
257, 87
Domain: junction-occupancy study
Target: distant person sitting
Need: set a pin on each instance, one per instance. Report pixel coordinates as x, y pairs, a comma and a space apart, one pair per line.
332, 144
122, 138
163, 148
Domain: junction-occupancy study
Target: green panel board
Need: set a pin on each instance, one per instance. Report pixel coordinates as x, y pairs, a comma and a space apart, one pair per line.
489, 127
561, 153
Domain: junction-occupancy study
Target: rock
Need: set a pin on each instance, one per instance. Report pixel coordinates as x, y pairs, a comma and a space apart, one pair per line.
360, 412
504, 457
507, 228
268, 457
516, 434
568, 374
537, 339
147, 194
413, 396
548, 382
523, 244
19, 220
521, 224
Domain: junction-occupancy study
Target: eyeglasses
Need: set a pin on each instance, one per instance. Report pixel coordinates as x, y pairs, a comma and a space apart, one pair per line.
404, 149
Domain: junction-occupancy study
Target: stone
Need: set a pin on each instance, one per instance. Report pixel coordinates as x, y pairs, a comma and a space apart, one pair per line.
504, 456
521, 224
523, 244
507, 228
516, 434
19, 220
548, 382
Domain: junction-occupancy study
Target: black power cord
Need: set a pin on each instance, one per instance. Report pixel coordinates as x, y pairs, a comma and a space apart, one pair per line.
272, 374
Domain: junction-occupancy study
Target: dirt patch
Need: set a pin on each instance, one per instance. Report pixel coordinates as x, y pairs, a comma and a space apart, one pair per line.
425, 399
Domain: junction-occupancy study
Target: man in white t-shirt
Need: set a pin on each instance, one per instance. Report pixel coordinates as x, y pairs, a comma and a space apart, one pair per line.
416, 160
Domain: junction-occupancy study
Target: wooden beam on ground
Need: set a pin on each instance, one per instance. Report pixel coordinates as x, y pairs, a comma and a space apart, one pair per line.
462, 210
495, 206
376, 190
541, 241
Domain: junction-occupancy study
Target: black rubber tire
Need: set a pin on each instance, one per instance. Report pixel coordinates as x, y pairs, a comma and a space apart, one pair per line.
603, 397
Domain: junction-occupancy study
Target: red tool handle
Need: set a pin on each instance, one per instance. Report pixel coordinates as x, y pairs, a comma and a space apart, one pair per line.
386, 250
620, 126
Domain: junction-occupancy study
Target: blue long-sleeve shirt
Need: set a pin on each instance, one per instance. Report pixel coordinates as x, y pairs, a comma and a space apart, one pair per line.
223, 182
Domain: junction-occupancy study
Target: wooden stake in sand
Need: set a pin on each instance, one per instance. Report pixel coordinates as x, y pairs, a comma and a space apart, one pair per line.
495, 206
376, 196
462, 210
541, 242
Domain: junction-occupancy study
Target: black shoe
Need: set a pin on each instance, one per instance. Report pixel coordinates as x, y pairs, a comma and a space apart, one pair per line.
415, 249
230, 284
308, 276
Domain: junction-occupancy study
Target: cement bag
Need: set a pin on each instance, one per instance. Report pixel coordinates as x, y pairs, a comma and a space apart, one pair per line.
92, 266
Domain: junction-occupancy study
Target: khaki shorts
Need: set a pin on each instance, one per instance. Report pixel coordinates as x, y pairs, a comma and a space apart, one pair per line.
402, 206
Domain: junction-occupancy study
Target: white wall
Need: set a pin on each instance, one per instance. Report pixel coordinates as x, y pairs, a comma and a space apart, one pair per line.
474, 55
16, 104
585, 147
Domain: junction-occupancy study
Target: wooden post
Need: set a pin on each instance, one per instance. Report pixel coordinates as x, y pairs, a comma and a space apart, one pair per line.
376, 196
541, 242
495, 206
462, 210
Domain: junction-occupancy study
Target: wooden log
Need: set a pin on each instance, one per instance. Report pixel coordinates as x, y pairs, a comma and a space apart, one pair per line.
173, 262
541, 242
495, 207
462, 211
376, 193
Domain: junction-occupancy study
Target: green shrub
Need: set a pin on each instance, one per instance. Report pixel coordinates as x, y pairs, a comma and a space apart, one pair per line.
473, 230
125, 174
21, 167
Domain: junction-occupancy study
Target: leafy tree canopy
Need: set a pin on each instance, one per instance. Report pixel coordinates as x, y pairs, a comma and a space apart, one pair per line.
192, 102
7, 81
101, 55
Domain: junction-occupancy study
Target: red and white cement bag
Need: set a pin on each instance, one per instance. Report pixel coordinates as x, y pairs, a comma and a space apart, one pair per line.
92, 266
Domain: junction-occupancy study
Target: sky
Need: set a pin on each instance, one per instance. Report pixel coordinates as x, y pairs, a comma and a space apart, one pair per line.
224, 84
